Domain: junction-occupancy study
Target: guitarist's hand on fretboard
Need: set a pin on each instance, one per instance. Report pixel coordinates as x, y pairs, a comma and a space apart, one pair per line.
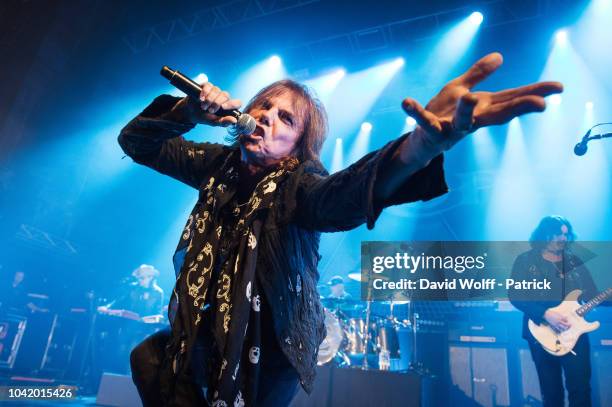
556, 320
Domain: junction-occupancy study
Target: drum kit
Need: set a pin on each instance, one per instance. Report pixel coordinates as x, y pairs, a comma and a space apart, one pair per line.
358, 337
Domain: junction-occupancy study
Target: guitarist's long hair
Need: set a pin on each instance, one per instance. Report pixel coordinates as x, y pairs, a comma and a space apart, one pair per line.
548, 227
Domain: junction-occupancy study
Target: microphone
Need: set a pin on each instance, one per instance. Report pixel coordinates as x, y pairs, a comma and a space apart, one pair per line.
246, 123
580, 149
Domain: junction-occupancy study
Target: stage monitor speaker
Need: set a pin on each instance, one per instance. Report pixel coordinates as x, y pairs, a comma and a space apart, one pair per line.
481, 373
529, 377
602, 377
117, 390
600, 380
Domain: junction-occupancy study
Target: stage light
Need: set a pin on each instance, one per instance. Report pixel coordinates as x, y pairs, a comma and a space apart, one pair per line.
451, 48
409, 124
589, 105
338, 157
555, 100
399, 62
325, 85
602, 5
275, 59
201, 78
516, 192
365, 86
252, 79
360, 145
485, 149
561, 36
476, 18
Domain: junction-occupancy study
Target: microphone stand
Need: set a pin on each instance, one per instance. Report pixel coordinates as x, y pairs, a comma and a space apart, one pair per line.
581, 148
599, 136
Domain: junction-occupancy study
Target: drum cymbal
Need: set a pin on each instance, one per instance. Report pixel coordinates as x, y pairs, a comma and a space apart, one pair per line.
355, 276
333, 339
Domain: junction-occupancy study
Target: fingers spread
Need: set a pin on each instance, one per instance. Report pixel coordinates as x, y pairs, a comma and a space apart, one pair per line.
480, 70
427, 120
463, 118
500, 113
538, 89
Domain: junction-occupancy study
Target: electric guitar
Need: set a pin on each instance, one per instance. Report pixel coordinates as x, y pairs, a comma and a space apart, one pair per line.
561, 343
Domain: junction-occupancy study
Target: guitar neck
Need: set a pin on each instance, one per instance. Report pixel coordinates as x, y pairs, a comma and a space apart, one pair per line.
595, 301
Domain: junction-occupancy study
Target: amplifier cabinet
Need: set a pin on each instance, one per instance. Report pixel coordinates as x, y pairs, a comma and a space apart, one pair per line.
12, 328
481, 373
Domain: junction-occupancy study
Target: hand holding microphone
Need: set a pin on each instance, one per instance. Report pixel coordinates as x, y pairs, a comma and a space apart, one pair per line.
207, 104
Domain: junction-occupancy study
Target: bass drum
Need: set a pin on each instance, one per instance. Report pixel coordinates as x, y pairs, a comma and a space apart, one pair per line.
333, 339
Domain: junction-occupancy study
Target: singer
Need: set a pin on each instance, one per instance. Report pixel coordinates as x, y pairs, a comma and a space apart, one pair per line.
246, 321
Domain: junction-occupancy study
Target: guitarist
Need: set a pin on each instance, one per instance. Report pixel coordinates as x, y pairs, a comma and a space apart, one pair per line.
549, 259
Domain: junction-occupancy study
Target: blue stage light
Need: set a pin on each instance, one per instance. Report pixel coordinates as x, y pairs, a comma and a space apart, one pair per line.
360, 144
364, 86
338, 157
275, 59
409, 124
325, 85
555, 99
476, 18
561, 36
451, 48
257, 76
201, 78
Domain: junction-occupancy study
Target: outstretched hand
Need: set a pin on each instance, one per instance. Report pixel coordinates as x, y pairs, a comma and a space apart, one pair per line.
456, 111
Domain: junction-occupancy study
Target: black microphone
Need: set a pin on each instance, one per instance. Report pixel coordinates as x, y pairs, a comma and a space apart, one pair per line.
246, 123
580, 149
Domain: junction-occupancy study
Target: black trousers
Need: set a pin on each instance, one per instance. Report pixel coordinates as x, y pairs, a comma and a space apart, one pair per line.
278, 382
576, 369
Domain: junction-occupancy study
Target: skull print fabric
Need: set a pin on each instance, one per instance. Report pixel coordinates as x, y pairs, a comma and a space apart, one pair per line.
218, 274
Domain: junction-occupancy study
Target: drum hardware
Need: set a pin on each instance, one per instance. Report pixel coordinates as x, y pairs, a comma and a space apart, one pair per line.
365, 365
360, 335
355, 276
333, 341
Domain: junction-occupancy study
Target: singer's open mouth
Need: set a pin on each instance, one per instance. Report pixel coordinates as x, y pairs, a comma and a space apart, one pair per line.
252, 138
256, 136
